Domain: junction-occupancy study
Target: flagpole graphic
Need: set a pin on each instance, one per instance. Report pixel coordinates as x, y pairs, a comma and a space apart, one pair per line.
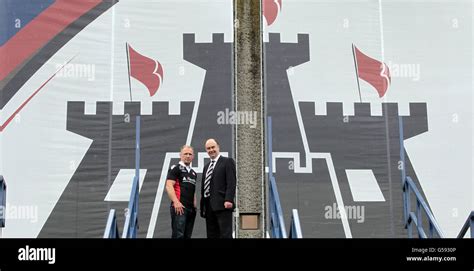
357, 72
371, 70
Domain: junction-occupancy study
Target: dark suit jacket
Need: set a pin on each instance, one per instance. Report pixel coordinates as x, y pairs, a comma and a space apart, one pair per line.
223, 184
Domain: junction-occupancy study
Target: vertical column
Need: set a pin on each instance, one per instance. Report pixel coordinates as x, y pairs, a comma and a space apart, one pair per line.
249, 131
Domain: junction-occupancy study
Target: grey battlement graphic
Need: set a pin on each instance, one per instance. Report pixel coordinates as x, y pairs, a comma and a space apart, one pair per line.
280, 106
81, 210
416, 122
208, 56
361, 141
307, 192
366, 142
347, 132
216, 95
285, 53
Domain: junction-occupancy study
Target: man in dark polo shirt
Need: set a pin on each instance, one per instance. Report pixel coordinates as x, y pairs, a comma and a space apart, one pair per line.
180, 186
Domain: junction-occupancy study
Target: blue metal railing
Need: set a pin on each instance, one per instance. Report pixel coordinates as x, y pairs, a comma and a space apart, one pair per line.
415, 217
3, 201
130, 228
468, 224
131, 221
295, 229
277, 222
111, 229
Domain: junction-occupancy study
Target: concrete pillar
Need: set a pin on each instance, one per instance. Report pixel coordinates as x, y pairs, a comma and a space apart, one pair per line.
249, 132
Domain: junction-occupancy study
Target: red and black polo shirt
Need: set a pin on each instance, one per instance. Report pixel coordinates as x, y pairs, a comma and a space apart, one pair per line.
185, 185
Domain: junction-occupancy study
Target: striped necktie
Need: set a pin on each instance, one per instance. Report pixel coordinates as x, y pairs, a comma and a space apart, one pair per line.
207, 181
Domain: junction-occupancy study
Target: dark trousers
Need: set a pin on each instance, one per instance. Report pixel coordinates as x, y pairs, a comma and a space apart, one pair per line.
219, 223
182, 225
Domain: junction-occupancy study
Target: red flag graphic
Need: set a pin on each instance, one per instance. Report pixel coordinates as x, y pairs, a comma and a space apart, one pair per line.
372, 71
271, 9
146, 70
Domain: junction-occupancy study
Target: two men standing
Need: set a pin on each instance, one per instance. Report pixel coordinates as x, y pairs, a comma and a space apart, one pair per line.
217, 193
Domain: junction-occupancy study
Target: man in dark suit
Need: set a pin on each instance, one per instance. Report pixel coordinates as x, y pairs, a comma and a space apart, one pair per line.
218, 192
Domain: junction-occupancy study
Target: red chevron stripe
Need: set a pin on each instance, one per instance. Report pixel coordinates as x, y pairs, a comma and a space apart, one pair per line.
31, 97
40, 31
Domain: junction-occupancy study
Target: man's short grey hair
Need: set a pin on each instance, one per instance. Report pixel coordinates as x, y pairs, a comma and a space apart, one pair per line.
186, 146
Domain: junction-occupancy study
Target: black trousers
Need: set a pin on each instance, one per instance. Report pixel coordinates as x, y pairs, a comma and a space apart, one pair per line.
182, 225
218, 223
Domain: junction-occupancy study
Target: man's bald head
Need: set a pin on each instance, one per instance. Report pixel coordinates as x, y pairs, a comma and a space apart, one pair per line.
212, 148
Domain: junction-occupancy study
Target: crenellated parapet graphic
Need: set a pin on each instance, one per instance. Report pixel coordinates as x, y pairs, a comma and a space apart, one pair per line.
369, 143
217, 90
278, 58
113, 149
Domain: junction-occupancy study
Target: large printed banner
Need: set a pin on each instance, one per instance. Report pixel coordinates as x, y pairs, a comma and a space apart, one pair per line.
339, 76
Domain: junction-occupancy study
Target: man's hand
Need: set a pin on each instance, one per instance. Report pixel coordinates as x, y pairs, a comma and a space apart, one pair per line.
178, 208
228, 205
